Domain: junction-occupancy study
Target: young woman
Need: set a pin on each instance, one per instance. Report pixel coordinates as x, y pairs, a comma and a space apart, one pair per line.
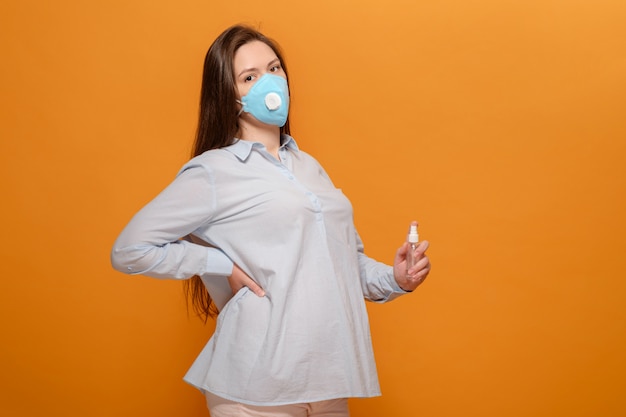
257, 222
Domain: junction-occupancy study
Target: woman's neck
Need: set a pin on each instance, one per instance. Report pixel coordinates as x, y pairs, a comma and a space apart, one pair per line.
267, 135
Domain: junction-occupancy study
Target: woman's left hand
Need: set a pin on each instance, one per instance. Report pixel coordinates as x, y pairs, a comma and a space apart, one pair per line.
409, 280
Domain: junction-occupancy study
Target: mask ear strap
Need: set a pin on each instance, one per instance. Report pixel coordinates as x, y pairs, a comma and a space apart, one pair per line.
241, 109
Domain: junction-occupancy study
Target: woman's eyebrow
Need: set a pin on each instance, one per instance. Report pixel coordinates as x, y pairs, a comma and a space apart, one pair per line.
272, 62
247, 70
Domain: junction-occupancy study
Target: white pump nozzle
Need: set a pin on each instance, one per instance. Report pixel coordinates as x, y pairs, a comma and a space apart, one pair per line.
413, 236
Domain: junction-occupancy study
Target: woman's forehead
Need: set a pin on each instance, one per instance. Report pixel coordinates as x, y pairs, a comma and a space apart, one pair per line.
253, 54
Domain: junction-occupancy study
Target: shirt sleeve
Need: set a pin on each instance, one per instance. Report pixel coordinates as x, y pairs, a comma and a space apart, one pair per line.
153, 243
377, 279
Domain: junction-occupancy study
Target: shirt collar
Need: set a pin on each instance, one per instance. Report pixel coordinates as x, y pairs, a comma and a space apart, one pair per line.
242, 148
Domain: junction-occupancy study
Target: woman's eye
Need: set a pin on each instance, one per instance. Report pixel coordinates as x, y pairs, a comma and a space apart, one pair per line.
275, 68
249, 78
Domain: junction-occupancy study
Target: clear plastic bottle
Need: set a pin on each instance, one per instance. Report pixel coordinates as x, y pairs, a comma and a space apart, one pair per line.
412, 238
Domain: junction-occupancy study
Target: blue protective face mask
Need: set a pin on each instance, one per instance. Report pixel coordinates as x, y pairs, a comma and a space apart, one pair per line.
268, 100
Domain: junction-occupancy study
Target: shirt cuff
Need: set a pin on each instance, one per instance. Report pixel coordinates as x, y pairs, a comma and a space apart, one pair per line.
218, 264
396, 290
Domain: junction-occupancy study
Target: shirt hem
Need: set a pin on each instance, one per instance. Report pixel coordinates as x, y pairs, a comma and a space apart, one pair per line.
301, 400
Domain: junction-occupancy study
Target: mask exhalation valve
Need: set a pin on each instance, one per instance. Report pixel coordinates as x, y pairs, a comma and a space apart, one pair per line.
273, 101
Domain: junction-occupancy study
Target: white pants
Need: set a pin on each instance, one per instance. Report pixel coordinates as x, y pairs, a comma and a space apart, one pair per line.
220, 407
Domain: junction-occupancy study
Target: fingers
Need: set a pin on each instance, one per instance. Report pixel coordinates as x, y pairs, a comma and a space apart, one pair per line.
255, 288
422, 262
402, 251
421, 258
252, 286
239, 279
422, 247
420, 270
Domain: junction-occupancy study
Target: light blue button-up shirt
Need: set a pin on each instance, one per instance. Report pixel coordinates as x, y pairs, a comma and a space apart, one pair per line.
285, 224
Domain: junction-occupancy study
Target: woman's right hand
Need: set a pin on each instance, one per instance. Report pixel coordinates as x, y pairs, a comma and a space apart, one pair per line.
239, 279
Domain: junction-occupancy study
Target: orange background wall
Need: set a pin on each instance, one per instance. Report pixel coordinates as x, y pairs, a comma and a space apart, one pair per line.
500, 126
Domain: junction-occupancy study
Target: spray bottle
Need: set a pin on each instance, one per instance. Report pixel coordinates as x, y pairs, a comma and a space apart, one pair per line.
412, 238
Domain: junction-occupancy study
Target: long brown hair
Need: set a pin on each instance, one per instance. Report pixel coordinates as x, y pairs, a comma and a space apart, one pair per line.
218, 121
